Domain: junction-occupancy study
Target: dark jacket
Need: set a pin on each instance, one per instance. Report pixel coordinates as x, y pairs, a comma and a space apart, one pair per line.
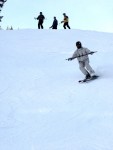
54, 25
40, 18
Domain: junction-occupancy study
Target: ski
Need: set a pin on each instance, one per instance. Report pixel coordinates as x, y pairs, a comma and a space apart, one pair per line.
88, 80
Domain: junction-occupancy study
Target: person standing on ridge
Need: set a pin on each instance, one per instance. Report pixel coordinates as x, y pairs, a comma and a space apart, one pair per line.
65, 21
40, 19
81, 54
55, 23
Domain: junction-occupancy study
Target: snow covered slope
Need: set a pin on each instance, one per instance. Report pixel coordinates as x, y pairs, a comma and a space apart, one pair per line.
42, 106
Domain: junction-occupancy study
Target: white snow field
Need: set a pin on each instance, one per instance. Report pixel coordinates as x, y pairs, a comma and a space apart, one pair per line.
42, 105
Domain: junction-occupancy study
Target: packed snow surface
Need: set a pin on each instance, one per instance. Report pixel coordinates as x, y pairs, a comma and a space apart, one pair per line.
42, 105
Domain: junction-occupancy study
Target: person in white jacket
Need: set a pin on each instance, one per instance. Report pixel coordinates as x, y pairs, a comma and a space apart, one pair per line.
81, 54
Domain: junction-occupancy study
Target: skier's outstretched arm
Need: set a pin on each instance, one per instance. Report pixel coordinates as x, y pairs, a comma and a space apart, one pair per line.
92, 52
74, 56
71, 58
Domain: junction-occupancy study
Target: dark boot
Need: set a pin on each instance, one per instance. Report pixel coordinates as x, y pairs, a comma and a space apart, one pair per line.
88, 76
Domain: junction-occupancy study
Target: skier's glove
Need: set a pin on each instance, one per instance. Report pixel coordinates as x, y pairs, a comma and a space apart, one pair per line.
69, 59
92, 53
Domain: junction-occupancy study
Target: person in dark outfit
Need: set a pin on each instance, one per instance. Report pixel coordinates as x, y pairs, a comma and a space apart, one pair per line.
1, 18
55, 23
1, 5
65, 21
40, 19
3, 1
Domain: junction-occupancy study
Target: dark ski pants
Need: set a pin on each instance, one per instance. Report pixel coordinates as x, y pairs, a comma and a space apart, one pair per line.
66, 25
54, 27
40, 25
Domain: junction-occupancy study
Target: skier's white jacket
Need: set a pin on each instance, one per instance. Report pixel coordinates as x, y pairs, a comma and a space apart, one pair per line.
80, 52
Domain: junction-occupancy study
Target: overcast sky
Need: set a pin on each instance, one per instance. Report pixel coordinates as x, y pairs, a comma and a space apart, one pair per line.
83, 14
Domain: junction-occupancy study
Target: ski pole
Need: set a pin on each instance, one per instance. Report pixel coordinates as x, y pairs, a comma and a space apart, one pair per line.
81, 55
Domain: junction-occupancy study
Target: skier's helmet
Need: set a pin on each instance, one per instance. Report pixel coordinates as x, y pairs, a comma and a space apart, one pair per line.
78, 43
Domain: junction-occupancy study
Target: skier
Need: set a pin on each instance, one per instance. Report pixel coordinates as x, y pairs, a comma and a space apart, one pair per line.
65, 21
55, 23
81, 54
40, 19
1, 5
3, 1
